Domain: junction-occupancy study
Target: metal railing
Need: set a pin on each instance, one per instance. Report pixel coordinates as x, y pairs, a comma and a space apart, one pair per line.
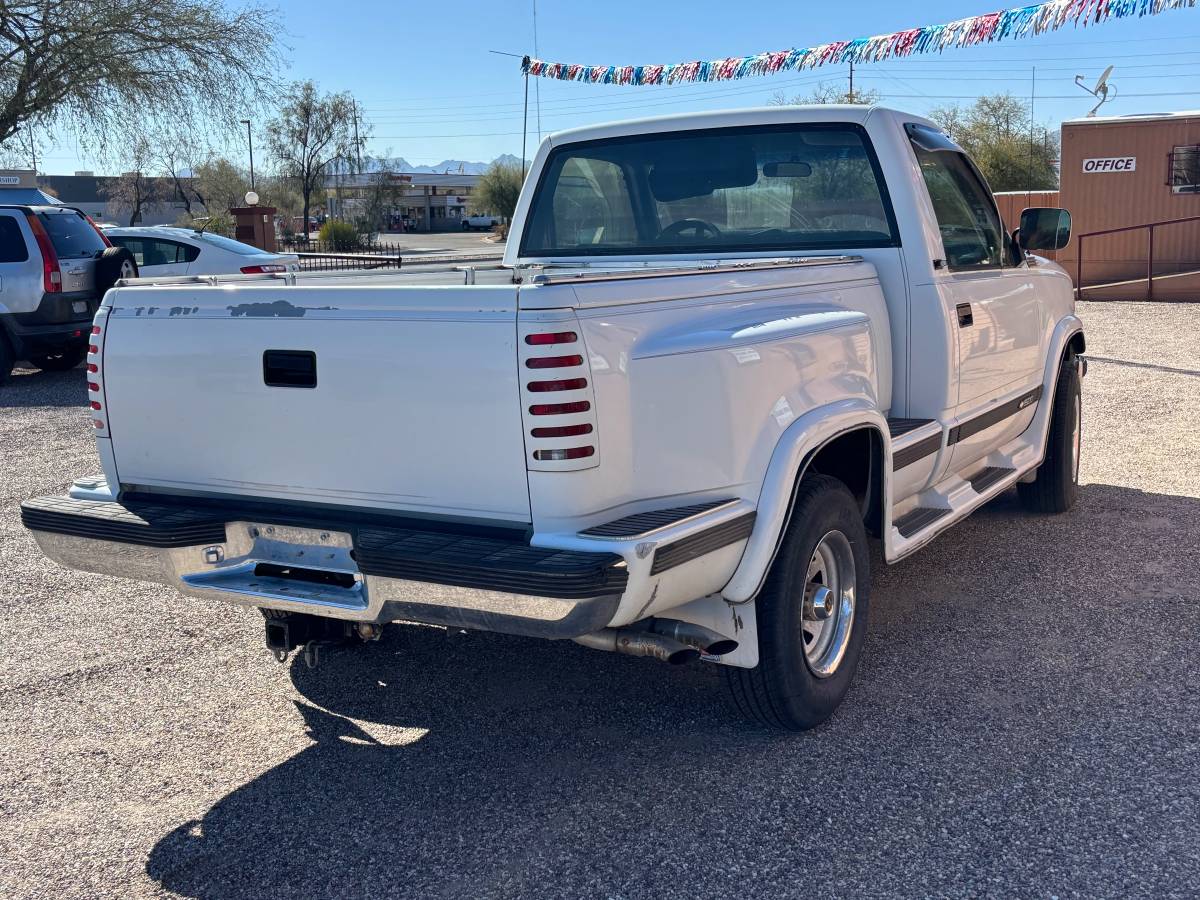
1150, 226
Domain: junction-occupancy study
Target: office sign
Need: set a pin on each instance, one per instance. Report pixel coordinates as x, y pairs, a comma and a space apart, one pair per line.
10, 179
1110, 164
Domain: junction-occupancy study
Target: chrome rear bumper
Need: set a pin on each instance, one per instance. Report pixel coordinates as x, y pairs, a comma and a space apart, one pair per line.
372, 574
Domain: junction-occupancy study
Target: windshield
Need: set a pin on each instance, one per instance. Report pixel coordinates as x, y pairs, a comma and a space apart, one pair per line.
790, 187
71, 234
230, 244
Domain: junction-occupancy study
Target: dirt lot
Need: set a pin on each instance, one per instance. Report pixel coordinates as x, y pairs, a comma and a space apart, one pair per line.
1026, 721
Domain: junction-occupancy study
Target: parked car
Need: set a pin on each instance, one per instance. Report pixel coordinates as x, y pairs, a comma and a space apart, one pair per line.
479, 223
55, 265
167, 250
725, 353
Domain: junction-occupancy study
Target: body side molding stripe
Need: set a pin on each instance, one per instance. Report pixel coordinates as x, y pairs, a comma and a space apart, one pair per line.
702, 542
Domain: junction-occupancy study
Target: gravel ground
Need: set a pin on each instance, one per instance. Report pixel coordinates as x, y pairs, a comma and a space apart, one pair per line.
1024, 723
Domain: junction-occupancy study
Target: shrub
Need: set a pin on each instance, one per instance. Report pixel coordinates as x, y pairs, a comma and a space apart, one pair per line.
339, 235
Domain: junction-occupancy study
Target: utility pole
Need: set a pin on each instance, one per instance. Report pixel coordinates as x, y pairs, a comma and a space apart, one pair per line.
851, 81
250, 141
357, 145
1032, 96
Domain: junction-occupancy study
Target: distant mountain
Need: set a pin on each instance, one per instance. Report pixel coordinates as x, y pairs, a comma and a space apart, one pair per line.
453, 166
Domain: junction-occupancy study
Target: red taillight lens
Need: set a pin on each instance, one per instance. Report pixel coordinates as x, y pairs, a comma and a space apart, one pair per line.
564, 384
95, 329
92, 348
555, 431
92, 386
557, 337
51, 273
93, 368
553, 362
95, 404
97, 423
569, 453
262, 270
103, 236
559, 409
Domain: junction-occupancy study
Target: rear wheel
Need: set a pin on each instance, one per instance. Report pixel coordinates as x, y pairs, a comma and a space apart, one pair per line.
1056, 485
812, 613
62, 361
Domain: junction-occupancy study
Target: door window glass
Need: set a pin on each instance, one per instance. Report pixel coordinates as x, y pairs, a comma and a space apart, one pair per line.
972, 234
12, 242
152, 252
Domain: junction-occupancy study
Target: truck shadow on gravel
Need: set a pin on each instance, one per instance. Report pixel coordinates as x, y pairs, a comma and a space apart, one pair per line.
483, 765
31, 388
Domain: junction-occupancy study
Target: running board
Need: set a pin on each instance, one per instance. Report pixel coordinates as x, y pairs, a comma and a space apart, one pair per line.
985, 478
919, 519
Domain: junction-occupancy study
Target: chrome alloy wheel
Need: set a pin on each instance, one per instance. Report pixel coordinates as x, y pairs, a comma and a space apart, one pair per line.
828, 612
1076, 436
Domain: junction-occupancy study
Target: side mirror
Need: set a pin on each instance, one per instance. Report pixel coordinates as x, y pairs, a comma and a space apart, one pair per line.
1044, 228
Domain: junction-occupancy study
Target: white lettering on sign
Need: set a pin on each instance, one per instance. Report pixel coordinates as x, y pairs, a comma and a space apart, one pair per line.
1110, 164
10, 179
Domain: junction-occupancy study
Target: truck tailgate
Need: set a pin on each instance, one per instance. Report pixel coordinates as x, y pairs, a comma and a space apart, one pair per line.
416, 403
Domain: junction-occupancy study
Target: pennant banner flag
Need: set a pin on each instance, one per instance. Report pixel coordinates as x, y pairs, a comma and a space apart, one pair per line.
1025, 21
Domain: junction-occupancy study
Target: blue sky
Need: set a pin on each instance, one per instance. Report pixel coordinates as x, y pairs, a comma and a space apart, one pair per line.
432, 90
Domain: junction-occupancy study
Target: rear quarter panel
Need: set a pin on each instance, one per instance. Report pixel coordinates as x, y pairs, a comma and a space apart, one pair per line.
697, 377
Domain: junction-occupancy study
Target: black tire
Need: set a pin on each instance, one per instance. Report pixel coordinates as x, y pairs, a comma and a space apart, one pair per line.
783, 690
1056, 485
113, 264
7, 358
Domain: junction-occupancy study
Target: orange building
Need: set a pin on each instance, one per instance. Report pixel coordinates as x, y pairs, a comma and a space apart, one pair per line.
1123, 172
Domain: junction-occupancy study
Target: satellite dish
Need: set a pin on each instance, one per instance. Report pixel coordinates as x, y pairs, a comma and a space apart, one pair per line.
1100, 91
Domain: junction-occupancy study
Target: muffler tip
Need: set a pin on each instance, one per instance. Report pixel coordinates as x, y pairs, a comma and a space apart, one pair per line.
720, 648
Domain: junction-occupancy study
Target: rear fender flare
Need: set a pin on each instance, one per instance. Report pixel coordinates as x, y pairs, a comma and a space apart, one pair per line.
792, 455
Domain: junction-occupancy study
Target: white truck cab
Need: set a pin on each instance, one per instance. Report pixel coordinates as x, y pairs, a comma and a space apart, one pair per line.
723, 353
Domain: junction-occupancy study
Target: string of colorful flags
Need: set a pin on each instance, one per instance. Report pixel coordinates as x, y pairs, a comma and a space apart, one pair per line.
1024, 21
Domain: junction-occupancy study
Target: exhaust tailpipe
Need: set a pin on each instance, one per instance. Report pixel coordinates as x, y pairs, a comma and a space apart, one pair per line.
639, 643
704, 639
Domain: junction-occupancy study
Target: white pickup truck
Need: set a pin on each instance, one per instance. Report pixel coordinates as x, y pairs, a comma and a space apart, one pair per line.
723, 354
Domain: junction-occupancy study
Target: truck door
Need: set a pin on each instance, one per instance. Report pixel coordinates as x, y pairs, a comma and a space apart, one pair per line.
988, 296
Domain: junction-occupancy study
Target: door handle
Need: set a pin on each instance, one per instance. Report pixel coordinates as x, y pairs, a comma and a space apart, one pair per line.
966, 318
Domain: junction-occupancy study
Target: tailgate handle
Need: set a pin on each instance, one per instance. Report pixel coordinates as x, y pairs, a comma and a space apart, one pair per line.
966, 318
290, 368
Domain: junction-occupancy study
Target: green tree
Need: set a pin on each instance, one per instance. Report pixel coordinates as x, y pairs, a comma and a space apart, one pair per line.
107, 72
310, 133
498, 189
1013, 153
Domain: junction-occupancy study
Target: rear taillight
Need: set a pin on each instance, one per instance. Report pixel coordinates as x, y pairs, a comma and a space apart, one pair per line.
51, 273
557, 431
553, 362
95, 383
99, 230
559, 409
553, 337
563, 384
556, 423
560, 455
262, 270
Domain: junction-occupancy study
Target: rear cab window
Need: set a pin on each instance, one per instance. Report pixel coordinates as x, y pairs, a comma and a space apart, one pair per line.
71, 234
12, 241
786, 187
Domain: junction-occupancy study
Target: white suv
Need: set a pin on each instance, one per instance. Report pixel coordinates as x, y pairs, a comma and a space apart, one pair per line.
55, 266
